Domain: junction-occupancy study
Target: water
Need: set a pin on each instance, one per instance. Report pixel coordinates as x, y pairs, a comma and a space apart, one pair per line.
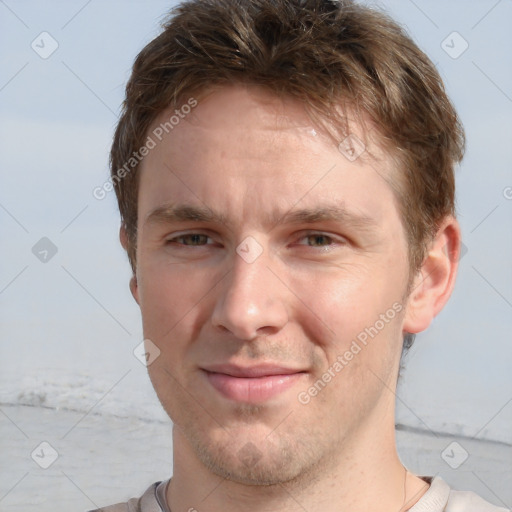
111, 439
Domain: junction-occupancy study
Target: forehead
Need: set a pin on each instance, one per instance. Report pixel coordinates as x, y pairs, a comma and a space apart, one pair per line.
241, 109
245, 133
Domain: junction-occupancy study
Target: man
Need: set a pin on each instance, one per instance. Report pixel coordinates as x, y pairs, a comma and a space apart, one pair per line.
284, 172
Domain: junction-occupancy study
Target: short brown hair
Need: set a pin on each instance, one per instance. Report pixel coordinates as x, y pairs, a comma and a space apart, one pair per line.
321, 52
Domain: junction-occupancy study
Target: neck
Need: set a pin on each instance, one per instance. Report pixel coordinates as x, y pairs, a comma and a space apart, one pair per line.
365, 474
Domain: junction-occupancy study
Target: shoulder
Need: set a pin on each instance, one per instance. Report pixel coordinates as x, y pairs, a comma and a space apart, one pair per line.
148, 502
466, 501
440, 497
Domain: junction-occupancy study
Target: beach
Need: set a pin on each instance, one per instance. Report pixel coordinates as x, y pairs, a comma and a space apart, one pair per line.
95, 459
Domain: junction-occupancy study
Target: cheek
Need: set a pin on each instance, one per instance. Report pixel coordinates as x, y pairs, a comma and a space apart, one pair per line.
353, 317
170, 296
345, 301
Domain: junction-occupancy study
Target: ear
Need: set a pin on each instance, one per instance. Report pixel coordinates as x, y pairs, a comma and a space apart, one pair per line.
434, 282
123, 237
134, 288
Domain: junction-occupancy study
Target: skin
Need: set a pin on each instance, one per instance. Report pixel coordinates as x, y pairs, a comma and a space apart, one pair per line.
319, 282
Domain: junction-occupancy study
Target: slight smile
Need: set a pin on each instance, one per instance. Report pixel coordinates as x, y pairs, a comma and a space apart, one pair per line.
253, 384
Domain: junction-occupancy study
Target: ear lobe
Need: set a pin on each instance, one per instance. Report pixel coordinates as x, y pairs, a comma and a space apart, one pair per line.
435, 280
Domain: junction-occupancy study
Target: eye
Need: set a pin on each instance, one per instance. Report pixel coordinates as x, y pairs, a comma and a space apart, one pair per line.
190, 239
321, 240
317, 240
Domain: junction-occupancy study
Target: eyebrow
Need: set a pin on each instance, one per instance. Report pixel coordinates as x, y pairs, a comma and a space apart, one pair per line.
169, 213
337, 214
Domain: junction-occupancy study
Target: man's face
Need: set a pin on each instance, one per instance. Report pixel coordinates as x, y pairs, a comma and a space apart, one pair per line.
266, 255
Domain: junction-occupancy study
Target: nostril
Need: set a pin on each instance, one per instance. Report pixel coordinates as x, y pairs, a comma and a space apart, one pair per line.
267, 331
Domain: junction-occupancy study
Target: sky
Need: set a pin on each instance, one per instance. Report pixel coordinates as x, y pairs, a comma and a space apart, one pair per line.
65, 309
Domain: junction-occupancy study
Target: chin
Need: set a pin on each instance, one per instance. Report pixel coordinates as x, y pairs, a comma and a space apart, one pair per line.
251, 463
249, 455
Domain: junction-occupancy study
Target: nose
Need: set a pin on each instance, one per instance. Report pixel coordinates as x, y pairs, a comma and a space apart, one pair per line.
251, 301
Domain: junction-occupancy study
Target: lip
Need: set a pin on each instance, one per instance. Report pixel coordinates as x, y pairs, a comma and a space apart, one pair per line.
255, 371
254, 384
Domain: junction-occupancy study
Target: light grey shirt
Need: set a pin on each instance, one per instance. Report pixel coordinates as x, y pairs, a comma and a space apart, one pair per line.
438, 498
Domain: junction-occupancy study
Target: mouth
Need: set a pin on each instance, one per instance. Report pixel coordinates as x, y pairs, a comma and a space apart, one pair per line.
254, 384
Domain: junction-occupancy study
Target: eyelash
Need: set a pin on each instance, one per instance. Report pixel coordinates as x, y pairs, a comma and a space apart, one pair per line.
331, 239
176, 238
324, 235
